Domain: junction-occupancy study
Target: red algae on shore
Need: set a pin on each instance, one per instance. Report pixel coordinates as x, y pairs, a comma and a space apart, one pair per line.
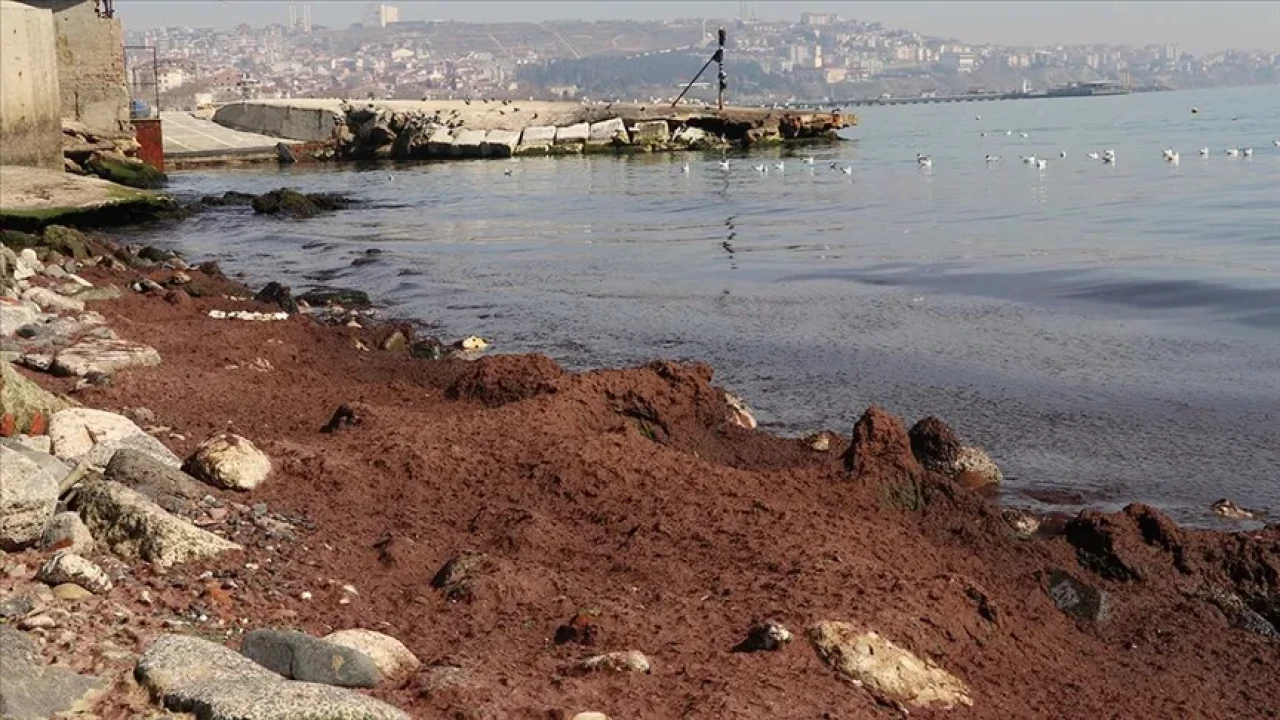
627, 502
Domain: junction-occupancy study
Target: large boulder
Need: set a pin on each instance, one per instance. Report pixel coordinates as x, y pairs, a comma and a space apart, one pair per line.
394, 661
880, 453
229, 461
30, 690
189, 674
286, 201
95, 435
14, 315
65, 566
166, 486
51, 302
25, 407
890, 673
68, 241
935, 445
299, 656
105, 356
134, 527
28, 497
125, 171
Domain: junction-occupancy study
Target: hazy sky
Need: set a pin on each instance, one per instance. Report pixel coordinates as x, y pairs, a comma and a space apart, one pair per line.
1196, 26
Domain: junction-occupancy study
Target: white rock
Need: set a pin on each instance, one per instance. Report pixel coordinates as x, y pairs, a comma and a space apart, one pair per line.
689, 135
95, 435
27, 266
103, 356
28, 497
135, 527
229, 461
65, 566
39, 443
975, 459
388, 654
628, 661
887, 671
13, 316
590, 716
66, 531
606, 131
50, 301
571, 134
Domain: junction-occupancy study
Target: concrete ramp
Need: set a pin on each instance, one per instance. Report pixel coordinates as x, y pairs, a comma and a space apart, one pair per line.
309, 124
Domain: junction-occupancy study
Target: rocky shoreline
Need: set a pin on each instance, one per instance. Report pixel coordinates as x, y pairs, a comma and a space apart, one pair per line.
241, 504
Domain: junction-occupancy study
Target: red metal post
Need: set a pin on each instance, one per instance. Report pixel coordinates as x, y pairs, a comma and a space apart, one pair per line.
149, 135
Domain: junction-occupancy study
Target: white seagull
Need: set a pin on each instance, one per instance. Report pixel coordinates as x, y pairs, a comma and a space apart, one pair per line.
1029, 159
992, 158
1109, 156
1172, 158
1008, 132
1042, 164
1247, 152
846, 170
808, 160
1094, 156
924, 161
1108, 159
761, 168
1168, 153
1023, 134
780, 167
1233, 152
685, 168
1063, 154
1204, 152
982, 134
1276, 143
724, 164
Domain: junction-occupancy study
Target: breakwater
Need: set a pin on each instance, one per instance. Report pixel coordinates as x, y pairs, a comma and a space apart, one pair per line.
490, 128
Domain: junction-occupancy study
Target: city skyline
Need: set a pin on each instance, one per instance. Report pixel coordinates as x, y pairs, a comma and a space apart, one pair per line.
1197, 27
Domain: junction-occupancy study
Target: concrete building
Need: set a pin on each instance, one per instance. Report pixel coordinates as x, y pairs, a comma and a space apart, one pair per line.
90, 61
957, 62
30, 112
381, 15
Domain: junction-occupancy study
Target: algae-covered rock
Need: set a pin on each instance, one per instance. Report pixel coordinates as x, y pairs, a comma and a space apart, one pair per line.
68, 241
125, 171
25, 404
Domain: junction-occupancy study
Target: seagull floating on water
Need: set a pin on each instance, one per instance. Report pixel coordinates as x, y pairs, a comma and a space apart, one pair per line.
1168, 153
846, 170
1194, 110
507, 172
761, 168
724, 164
1172, 158
1023, 134
1029, 159
1008, 132
977, 117
1247, 152
1233, 152
1094, 156
685, 168
1042, 163
1063, 154
982, 134
780, 167
808, 160
1276, 143
1204, 152
992, 158
924, 161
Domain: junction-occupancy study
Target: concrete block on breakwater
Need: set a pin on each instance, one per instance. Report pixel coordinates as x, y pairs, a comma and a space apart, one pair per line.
500, 143
468, 143
607, 131
576, 133
650, 132
537, 138
440, 143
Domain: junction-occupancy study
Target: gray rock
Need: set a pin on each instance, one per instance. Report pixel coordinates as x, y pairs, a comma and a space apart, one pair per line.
30, 690
65, 566
14, 316
25, 400
39, 443
299, 656
1076, 598
28, 497
166, 486
103, 355
52, 302
95, 435
189, 674
16, 608
47, 462
66, 531
134, 527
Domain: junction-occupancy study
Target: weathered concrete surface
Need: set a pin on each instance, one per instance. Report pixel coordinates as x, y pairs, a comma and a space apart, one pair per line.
296, 120
34, 197
500, 143
30, 116
570, 134
538, 137
608, 131
440, 143
90, 63
186, 133
650, 132
468, 143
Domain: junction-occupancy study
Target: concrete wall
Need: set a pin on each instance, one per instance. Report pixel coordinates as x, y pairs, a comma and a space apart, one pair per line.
30, 117
91, 72
309, 124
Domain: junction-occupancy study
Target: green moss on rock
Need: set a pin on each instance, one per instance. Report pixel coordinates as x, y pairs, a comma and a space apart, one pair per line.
125, 171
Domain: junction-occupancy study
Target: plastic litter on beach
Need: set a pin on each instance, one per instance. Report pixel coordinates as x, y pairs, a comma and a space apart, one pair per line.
247, 315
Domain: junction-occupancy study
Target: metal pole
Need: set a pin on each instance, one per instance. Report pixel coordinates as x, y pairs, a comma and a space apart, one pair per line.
705, 65
723, 79
155, 75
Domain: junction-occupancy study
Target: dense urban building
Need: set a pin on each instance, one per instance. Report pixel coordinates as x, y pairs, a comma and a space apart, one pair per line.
820, 58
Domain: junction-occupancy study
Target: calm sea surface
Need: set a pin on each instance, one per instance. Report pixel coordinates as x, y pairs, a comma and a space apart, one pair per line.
1109, 333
